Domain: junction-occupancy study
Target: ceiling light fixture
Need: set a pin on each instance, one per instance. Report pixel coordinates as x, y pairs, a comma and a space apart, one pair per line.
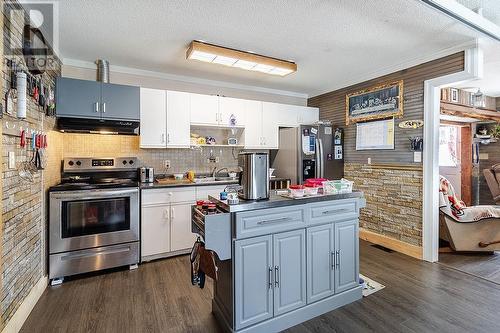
240, 59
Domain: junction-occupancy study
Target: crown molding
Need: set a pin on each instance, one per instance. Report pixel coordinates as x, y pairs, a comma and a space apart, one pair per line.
183, 78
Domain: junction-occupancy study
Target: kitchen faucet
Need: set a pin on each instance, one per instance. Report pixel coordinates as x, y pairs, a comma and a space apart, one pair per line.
214, 172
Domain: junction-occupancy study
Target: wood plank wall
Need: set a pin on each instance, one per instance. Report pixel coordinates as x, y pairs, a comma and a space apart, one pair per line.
332, 107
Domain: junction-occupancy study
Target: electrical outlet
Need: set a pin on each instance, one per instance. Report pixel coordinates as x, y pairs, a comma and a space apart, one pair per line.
166, 164
369, 160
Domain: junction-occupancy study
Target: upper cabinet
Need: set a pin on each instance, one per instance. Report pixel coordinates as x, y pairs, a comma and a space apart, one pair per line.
291, 115
153, 118
233, 108
178, 119
91, 99
120, 101
204, 109
164, 119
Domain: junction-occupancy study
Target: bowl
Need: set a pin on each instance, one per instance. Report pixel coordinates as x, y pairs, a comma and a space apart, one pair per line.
178, 176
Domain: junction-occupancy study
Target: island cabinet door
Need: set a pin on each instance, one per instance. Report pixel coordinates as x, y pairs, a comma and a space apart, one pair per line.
347, 256
253, 281
320, 262
289, 271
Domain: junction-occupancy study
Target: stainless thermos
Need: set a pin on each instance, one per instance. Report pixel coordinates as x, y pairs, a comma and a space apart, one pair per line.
254, 177
147, 175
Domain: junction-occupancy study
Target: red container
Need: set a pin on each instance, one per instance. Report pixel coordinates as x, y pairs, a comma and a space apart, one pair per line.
316, 181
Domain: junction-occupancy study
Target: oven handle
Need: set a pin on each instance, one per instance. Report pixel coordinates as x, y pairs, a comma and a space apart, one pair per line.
92, 194
95, 253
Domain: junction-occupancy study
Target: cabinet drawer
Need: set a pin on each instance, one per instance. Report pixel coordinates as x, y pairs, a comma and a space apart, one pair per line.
170, 195
332, 211
268, 221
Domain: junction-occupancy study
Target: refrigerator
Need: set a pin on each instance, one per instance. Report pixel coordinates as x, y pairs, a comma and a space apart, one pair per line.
310, 151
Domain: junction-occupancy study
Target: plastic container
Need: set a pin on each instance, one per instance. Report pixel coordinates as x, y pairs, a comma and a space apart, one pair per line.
178, 176
311, 189
337, 186
316, 181
297, 191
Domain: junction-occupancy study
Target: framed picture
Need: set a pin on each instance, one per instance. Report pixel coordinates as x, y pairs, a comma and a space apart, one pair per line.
378, 102
454, 95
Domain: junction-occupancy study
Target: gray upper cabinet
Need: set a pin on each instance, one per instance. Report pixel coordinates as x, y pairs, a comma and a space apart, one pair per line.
91, 99
78, 98
320, 262
120, 101
253, 280
347, 256
289, 271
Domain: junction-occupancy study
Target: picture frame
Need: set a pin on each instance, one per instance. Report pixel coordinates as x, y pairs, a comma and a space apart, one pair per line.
454, 95
378, 102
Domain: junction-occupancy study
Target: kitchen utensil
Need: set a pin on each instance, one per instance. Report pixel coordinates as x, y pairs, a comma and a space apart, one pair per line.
21, 95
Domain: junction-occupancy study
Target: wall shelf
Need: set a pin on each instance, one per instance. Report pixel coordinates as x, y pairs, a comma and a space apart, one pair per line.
453, 109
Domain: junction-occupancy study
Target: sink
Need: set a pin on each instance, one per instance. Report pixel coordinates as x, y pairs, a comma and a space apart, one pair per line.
224, 179
204, 180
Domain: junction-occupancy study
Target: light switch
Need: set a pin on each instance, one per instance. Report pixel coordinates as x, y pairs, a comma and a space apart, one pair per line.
12, 160
369, 160
417, 156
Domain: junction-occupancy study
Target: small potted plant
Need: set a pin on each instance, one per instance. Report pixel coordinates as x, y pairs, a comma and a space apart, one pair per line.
495, 131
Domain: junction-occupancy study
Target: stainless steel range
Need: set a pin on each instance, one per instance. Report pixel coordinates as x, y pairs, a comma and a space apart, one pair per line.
94, 216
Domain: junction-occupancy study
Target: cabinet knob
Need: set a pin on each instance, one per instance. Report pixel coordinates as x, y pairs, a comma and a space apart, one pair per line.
170, 194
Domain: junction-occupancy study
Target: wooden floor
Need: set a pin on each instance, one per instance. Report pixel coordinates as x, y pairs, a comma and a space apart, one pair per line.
158, 297
486, 266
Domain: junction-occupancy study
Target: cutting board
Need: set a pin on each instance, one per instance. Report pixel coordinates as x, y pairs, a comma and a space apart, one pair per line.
173, 181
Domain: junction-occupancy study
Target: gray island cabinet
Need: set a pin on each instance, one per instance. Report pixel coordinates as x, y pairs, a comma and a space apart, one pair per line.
282, 261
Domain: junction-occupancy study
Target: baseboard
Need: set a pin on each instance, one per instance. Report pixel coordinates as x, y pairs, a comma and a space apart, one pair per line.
391, 243
16, 322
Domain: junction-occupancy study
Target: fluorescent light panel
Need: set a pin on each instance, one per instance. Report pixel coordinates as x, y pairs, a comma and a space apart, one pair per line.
234, 58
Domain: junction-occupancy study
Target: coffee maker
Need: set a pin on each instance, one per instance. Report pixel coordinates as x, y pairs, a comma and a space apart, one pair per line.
254, 177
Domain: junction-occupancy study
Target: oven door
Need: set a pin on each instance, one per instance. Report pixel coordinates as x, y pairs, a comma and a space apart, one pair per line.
92, 218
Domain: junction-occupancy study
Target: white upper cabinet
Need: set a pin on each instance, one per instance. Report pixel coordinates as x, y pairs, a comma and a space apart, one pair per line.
153, 118
178, 119
307, 115
205, 109
285, 115
253, 126
232, 107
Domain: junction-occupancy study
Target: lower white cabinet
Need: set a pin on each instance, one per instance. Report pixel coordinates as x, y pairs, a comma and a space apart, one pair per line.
181, 237
155, 230
270, 276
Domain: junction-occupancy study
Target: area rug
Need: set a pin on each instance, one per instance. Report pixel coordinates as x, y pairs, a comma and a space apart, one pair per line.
370, 286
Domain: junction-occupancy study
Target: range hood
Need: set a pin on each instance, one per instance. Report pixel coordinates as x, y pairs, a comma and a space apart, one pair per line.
98, 126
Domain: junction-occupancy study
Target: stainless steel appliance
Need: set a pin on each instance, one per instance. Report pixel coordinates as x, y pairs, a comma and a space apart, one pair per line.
147, 175
310, 151
94, 216
254, 178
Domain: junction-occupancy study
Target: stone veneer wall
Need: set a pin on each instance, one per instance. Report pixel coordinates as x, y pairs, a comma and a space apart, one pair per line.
22, 232
393, 200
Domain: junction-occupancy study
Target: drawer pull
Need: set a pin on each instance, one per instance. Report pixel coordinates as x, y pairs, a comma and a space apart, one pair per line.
280, 220
338, 258
336, 211
270, 277
332, 258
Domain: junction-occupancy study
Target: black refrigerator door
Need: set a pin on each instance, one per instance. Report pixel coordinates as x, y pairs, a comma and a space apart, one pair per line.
331, 168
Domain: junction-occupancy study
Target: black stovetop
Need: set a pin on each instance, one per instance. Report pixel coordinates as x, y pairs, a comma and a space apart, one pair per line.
97, 180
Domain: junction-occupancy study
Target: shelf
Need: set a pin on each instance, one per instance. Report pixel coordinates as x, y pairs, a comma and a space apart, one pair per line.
218, 145
217, 126
460, 110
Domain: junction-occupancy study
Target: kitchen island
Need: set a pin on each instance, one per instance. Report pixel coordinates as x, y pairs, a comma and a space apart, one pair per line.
282, 261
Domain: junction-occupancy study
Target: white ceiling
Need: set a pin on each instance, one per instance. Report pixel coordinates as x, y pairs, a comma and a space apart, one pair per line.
334, 43
490, 82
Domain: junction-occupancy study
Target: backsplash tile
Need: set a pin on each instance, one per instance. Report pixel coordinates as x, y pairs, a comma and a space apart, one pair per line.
181, 160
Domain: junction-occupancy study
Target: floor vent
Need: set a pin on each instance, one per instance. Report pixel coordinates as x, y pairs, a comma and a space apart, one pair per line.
383, 248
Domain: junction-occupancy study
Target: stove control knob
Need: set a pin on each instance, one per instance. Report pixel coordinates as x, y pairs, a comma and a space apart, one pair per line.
124, 162
131, 162
71, 163
78, 163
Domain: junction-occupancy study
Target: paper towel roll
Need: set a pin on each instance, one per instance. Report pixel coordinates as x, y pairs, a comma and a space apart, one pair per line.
21, 95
